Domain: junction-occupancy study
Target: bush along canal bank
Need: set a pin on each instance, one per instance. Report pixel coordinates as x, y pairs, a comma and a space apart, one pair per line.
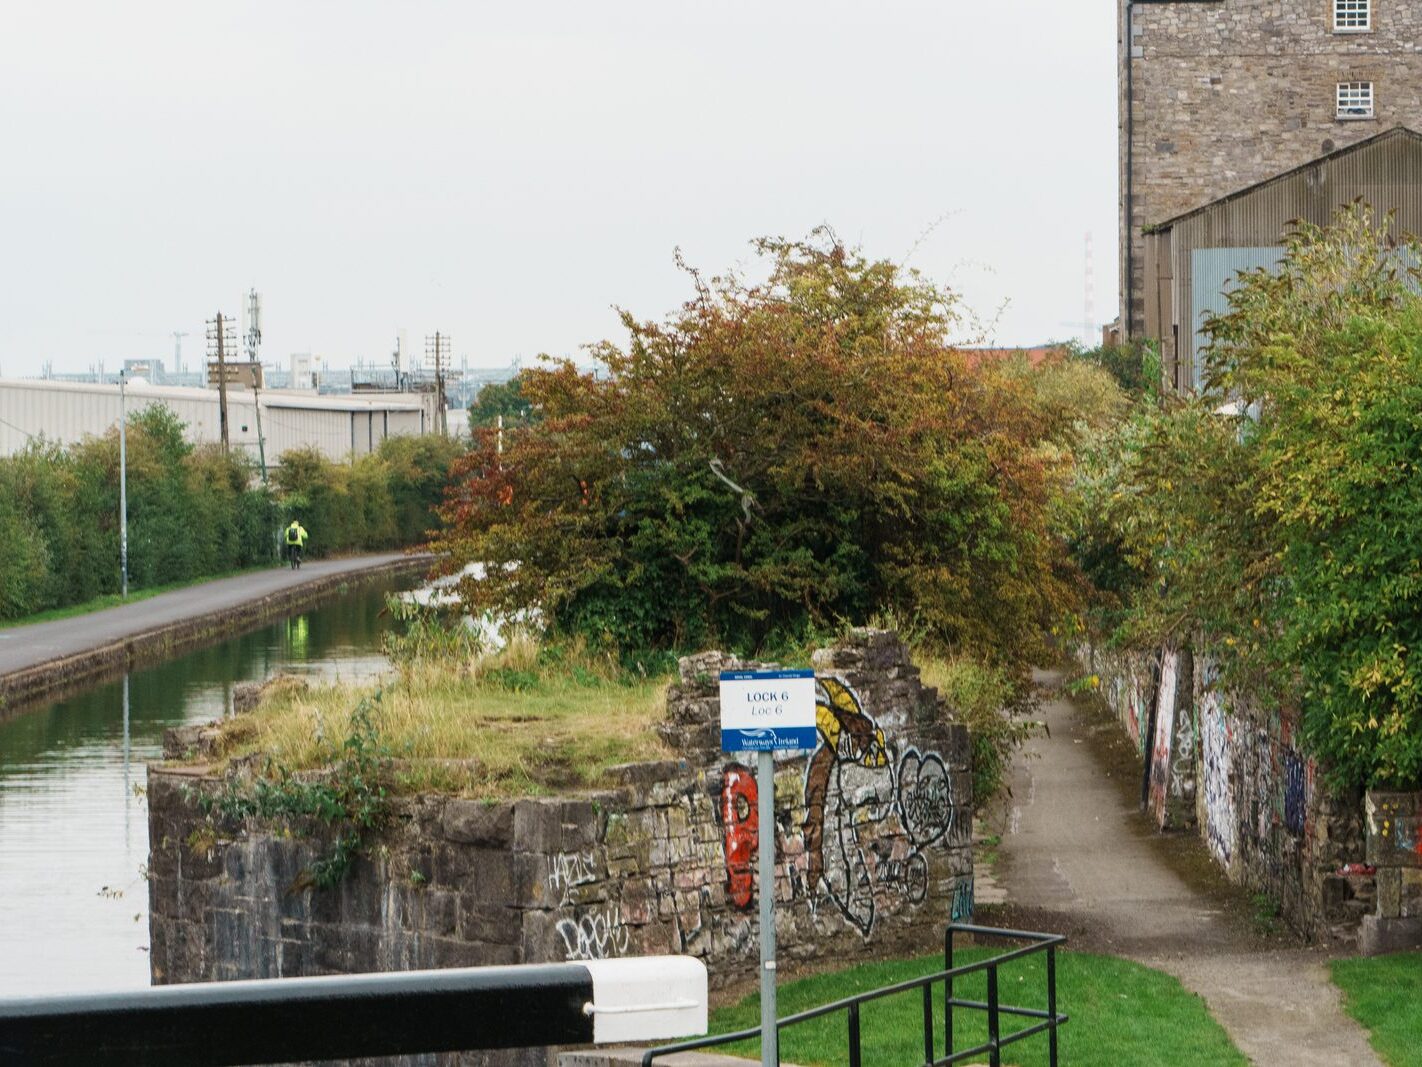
44, 661
872, 830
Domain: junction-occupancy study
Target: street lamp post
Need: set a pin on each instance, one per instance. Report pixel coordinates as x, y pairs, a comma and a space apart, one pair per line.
123, 487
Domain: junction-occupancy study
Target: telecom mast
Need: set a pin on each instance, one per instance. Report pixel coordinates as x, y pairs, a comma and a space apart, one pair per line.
1089, 308
253, 338
178, 336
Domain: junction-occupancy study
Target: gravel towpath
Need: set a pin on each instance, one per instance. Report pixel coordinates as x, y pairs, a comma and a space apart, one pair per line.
1076, 852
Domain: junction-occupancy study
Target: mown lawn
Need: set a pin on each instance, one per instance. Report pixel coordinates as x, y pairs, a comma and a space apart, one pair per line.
1385, 995
1121, 1013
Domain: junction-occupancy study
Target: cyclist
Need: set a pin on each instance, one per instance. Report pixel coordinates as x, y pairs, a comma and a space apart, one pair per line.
295, 543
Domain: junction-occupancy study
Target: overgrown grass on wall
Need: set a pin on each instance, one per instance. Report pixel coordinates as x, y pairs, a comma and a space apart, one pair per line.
193, 510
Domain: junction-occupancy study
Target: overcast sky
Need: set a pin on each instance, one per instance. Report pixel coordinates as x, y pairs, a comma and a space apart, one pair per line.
507, 172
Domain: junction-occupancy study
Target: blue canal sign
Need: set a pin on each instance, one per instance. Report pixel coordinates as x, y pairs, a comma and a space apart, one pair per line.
767, 711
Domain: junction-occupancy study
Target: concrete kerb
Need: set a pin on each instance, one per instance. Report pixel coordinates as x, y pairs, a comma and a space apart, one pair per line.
57, 677
632, 1057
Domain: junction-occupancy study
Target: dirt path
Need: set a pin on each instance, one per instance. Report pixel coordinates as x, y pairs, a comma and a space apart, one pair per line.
1076, 852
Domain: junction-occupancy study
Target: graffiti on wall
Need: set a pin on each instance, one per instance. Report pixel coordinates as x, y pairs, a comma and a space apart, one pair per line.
569, 870
1160, 758
868, 821
1216, 759
1127, 692
1295, 794
740, 831
1182, 762
925, 797
594, 936
907, 874
963, 900
848, 739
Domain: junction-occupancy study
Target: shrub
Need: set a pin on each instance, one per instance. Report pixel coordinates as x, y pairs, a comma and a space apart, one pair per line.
775, 457
1279, 515
994, 706
193, 511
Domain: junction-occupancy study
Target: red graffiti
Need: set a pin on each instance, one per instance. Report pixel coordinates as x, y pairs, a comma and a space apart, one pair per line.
742, 822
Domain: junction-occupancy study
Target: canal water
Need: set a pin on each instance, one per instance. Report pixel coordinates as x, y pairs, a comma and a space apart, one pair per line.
73, 821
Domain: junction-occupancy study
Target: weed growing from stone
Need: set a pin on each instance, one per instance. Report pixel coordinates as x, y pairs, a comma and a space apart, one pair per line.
352, 797
1266, 914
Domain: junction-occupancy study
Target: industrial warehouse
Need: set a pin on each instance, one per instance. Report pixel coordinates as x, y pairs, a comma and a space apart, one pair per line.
260, 423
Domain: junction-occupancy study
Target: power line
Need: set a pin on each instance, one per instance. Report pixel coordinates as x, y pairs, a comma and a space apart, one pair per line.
31, 436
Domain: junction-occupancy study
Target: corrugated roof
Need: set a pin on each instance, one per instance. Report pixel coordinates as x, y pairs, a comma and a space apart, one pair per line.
1395, 132
270, 398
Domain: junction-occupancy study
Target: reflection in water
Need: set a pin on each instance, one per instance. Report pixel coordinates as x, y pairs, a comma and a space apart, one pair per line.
73, 822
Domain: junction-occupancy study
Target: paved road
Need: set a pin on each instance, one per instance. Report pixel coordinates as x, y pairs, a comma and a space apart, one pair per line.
22, 647
1075, 847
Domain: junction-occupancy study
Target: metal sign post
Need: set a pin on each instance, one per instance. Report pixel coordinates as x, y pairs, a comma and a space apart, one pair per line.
769, 1032
762, 712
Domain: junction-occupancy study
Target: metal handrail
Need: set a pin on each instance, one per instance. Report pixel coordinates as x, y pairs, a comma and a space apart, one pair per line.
1040, 942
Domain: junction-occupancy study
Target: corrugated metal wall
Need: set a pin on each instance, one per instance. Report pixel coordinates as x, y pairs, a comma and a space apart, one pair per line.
1214, 272
66, 412
1387, 173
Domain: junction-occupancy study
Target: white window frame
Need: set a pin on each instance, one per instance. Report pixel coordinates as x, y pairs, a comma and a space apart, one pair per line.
1352, 16
1355, 100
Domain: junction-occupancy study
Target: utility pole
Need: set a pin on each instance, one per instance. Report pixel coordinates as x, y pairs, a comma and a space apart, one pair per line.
253, 343
123, 489
261, 439
438, 346
220, 334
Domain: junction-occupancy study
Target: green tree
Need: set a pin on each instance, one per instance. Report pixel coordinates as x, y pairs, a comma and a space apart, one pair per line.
500, 398
1280, 515
773, 458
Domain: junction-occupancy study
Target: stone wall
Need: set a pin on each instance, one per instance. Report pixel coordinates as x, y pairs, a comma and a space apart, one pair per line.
1227, 94
1126, 683
873, 834
1395, 850
1225, 764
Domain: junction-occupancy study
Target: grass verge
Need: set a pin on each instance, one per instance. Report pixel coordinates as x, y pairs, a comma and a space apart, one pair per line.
114, 600
1121, 1013
522, 721
1384, 994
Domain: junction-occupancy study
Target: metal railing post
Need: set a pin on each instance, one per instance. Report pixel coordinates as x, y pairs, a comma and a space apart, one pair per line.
994, 1053
948, 993
854, 1054
928, 1026
1052, 1004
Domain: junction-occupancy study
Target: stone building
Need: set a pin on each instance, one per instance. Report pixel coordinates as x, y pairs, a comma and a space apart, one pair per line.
1191, 260
1217, 95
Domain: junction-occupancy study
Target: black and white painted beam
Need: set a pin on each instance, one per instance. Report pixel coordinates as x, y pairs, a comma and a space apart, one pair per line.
343, 1016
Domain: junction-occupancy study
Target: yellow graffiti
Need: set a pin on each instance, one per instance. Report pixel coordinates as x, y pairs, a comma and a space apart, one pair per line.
830, 718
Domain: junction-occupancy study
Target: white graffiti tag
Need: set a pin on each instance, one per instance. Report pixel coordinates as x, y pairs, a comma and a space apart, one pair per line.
596, 936
568, 870
1217, 770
